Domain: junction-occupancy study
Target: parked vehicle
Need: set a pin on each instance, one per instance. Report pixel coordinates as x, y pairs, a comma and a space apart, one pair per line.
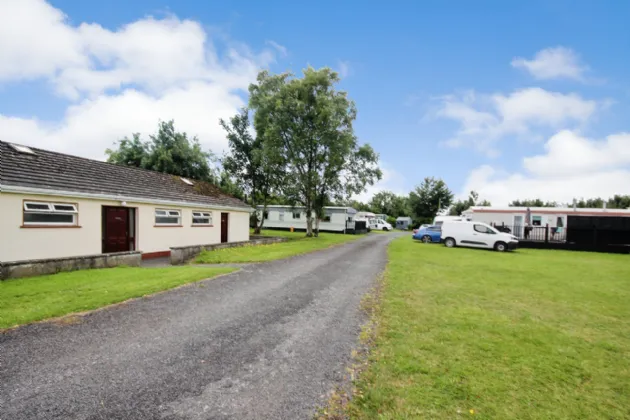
428, 234
476, 235
379, 224
421, 227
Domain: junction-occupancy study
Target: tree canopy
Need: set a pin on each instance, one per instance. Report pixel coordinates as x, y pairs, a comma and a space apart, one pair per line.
386, 202
248, 163
168, 151
429, 198
307, 125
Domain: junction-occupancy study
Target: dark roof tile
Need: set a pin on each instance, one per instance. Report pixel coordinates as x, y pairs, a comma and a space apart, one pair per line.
56, 171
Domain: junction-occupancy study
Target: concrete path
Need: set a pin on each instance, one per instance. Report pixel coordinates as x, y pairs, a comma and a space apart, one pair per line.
267, 342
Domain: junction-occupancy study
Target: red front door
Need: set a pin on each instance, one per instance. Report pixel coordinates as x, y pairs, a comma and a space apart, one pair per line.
224, 227
116, 229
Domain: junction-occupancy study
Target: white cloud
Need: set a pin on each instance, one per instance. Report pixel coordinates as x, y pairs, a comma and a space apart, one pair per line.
570, 154
344, 69
280, 48
553, 63
572, 167
484, 119
123, 81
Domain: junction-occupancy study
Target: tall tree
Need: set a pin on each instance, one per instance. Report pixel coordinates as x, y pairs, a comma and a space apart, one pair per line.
308, 123
387, 202
256, 171
429, 198
460, 206
169, 151
130, 152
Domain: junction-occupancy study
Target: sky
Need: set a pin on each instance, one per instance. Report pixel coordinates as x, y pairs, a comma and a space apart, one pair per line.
514, 100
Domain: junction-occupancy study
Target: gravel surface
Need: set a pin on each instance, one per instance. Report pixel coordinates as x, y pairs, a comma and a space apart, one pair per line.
267, 342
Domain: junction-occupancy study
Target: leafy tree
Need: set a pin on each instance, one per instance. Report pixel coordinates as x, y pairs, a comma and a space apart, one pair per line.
387, 202
168, 151
533, 203
462, 205
257, 173
130, 152
308, 124
427, 199
619, 202
593, 203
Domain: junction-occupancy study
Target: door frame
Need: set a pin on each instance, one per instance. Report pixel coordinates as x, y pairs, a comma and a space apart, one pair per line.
227, 227
521, 226
132, 221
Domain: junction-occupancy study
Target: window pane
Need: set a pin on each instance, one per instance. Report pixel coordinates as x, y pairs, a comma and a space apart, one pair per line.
38, 206
48, 218
167, 220
64, 207
201, 221
160, 212
173, 213
196, 214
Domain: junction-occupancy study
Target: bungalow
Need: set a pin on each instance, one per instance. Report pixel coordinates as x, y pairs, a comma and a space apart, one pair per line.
336, 219
57, 206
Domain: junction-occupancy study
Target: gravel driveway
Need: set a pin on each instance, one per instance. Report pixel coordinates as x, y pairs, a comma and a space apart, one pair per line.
267, 342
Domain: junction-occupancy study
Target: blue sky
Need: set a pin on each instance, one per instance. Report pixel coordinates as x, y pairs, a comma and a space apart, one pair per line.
512, 100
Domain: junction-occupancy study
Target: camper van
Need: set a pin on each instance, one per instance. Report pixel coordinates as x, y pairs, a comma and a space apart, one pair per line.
476, 235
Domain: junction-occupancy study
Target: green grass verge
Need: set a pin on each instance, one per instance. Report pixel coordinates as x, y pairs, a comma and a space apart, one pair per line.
532, 334
298, 244
37, 298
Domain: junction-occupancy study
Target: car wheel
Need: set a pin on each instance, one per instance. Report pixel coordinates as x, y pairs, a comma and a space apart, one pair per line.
449, 242
385, 228
426, 239
500, 246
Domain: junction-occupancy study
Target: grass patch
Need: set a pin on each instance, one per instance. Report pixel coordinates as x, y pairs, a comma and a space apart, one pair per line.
298, 244
533, 334
37, 298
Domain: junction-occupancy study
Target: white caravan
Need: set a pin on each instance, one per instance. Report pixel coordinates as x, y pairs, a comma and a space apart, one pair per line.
476, 235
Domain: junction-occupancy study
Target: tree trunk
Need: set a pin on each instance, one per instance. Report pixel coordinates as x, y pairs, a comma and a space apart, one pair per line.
317, 227
259, 226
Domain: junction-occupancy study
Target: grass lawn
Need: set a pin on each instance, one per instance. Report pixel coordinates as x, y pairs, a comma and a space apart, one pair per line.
36, 298
533, 334
298, 244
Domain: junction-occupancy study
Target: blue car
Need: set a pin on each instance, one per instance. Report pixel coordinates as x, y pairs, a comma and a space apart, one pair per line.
429, 234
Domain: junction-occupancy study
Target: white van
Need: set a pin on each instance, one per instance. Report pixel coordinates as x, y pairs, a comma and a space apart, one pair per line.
379, 224
476, 235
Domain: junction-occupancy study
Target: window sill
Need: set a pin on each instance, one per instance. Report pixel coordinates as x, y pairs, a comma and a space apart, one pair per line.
167, 226
49, 227
201, 225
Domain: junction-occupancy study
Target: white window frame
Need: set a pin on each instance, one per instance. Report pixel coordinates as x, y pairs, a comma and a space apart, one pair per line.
281, 216
167, 213
299, 215
200, 215
51, 208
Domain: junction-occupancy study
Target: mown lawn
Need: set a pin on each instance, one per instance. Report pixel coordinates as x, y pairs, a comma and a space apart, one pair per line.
298, 244
36, 298
532, 334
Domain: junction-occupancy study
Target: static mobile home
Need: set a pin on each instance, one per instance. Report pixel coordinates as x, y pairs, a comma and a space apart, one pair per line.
336, 219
